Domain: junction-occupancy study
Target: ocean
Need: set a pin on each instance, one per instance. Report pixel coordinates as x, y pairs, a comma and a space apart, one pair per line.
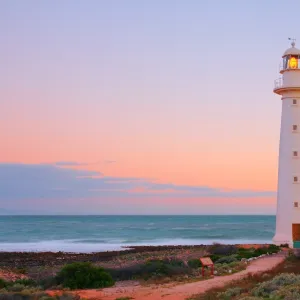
104, 233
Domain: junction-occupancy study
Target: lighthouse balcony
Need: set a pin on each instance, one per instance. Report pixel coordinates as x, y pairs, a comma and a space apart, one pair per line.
278, 83
280, 86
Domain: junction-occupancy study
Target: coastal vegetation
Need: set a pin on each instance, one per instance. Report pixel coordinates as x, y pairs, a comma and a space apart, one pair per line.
83, 275
280, 283
147, 267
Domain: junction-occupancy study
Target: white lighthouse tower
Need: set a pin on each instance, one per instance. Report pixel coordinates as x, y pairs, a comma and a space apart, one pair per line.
288, 195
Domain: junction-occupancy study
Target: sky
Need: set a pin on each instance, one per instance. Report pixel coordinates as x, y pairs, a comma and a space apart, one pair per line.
141, 107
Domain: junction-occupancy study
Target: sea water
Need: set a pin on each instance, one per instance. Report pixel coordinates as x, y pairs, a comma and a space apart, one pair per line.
104, 233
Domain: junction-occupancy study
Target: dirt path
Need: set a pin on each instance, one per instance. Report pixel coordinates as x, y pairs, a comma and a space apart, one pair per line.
181, 291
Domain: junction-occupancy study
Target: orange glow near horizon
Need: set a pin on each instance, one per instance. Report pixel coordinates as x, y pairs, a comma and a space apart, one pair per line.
131, 98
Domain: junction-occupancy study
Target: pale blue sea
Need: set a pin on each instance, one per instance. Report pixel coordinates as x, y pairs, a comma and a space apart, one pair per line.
102, 233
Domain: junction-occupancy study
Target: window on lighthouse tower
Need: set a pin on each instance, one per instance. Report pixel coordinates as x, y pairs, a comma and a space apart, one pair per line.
294, 101
295, 127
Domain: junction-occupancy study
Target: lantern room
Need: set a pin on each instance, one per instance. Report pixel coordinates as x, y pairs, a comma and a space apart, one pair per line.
291, 59
289, 70
291, 62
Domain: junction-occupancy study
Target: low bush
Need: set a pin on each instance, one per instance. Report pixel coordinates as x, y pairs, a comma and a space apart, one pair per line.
3, 283
246, 253
215, 257
15, 287
125, 273
227, 259
290, 292
68, 296
194, 263
151, 269
21, 270
229, 293
173, 262
158, 268
225, 269
32, 295
251, 298
274, 248
264, 289
48, 282
80, 275
26, 282
220, 249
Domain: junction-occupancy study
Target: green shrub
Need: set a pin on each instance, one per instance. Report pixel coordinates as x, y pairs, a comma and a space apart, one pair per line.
220, 249
229, 293
274, 249
33, 295
194, 263
80, 275
48, 282
251, 298
227, 259
126, 273
3, 283
158, 268
266, 250
15, 287
246, 253
150, 269
68, 296
260, 251
264, 289
21, 271
173, 262
224, 269
290, 292
215, 257
26, 282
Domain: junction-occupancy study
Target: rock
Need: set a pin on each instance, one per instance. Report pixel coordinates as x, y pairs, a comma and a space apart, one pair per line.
229, 271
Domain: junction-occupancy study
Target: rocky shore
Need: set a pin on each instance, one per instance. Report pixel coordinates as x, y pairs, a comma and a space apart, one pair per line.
33, 259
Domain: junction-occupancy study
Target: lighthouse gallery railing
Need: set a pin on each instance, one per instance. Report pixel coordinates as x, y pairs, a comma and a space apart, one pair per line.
278, 83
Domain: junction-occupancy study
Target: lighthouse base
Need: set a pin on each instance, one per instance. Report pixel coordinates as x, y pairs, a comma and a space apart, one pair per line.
281, 239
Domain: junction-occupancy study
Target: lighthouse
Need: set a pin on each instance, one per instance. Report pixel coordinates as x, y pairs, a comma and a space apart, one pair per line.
288, 194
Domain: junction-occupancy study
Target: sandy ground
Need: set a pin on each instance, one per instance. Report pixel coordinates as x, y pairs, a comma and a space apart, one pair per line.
180, 291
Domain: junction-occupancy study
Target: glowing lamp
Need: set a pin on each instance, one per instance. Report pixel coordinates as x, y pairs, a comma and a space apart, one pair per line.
293, 63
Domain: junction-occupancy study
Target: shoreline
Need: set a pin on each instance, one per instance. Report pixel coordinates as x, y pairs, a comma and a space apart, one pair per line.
72, 246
